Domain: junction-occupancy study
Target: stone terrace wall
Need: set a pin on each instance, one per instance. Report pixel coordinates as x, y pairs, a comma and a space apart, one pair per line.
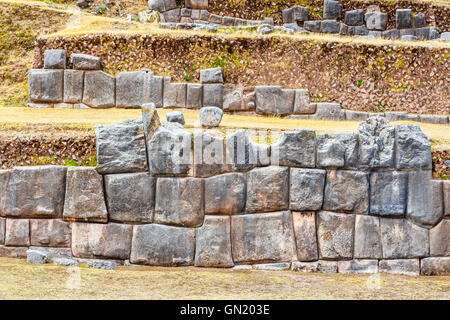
161, 196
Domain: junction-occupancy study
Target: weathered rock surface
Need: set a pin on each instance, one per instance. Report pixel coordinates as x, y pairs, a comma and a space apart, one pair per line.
354, 17
402, 239
302, 102
50, 233
174, 94
93, 96
240, 151
85, 200
435, 266
73, 86
162, 5
213, 243
179, 202
157, 90
403, 19
376, 21
17, 232
325, 266
45, 86
440, 239
306, 189
110, 241
197, 4
446, 203
84, 62
265, 237
13, 252
36, 257
410, 267
367, 237
210, 116
121, 147
280, 266
332, 9
150, 120
305, 235
329, 26
161, 245
388, 193
337, 150
358, 266
2, 231
130, 197
225, 194
335, 235
209, 155
175, 116
304, 266
213, 75
329, 111
295, 148
102, 264
213, 95
413, 148
194, 96
347, 191
132, 89
35, 192
274, 100
55, 59
267, 189
4, 178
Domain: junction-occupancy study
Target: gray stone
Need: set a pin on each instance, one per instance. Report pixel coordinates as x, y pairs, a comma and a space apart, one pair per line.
194, 96
93, 96
121, 147
4, 179
396, 116
288, 15
274, 100
73, 86
373, 35
410, 267
305, 235
132, 89
109, 241
347, 191
403, 18
435, 266
179, 202
102, 264
265, 29
45, 86
53, 253
185, 12
211, 27
85, 62
242, 267
35, 192
425, 198
210, 116
130, 197
358, 266
422, 33
229, 21
408, 38
209, 155
17, 232
306, 189
313, 26
157, 90
225, 194
324, 266
85, 200
367, 237
174, 94
163, 245
50, 233
36, 257
266, 237
267, 189
335, 235
440, 239
337, 150
172, 15
446, 202
445, 36
435, 119
213, 243
294, 148
150, 121
281, 266
329, 26
162, 5
419, 20
55, 59
204, 15
354, 17
65, 262
391, 34
361, 31
214, 19
376, 21
213, 75
213, 95
300, 13
175, 116
402, 239
304, 266
329, 111
240, 152
332, 9
302, 102
376, 143
407, 32
388, 193
2, 231
197, 4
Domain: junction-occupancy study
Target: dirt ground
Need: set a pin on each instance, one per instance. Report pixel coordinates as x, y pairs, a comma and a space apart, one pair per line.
19, 280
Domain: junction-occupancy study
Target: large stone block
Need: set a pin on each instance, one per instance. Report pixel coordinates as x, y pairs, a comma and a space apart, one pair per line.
130, 197
329, 26
85, 62
410, 267
242, 154
419, 20
50, 233
85, 200
157, 90
45, 86
172, 15
302, 102
312, 26
55, 59
306, 189
376, 21
13, 252
162, 5
213, 243
209, 155
305, 235
354, 17
337, 150
332, 9
161, 245
109, 241
2, 230
295, 148
213, 75
367, 237
300, 13
403, 19
4, 179
329, 111
401, 239
288, 15
347, 191
425, 198
121, 147
266, 237
17, 232
150, 121
197, 4
435, 266
99, 90
179, 201
73, 86
446, 202
274, 100
132, 89
335, 235
194, 96
267, 189
440, 239
225, 194
210, 117
376, 143
35, 192
213, 95
388, 193
358, 266
174, 94
413, 148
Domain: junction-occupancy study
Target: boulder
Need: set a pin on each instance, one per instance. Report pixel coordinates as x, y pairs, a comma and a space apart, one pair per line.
354, 17
376, 21
305, 235
329, 111
102, 264
99, 90
367, 237
302, 102
332, 9
295, 148
225, 194
306, 189
162, 5
179, 202
242, 154
130, 197
304, 266
413, 148
73, 86
288, 15
194, 96
335, 235
266, 237
172, 15
388, 193
446, 202
36, 257
209, 155
213, 95
402, 239
50, 233
347, 191
35, 192
55, 59
45, 86
435, 266
312, 26
329, 26
17, 232
213, 75
85, 200
325, 266
337, 150
157, 90
210, 116
161, 245
274, 100
85, 62
267, 189
410, 267
109, 241
440, 239
175, 116
2, 231
121, 147
300, 13
213, 243
265, 29
132, 89
358, 266
403, 18
445, 36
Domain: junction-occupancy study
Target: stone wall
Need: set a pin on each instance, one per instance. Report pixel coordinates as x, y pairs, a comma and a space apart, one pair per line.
358, 202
